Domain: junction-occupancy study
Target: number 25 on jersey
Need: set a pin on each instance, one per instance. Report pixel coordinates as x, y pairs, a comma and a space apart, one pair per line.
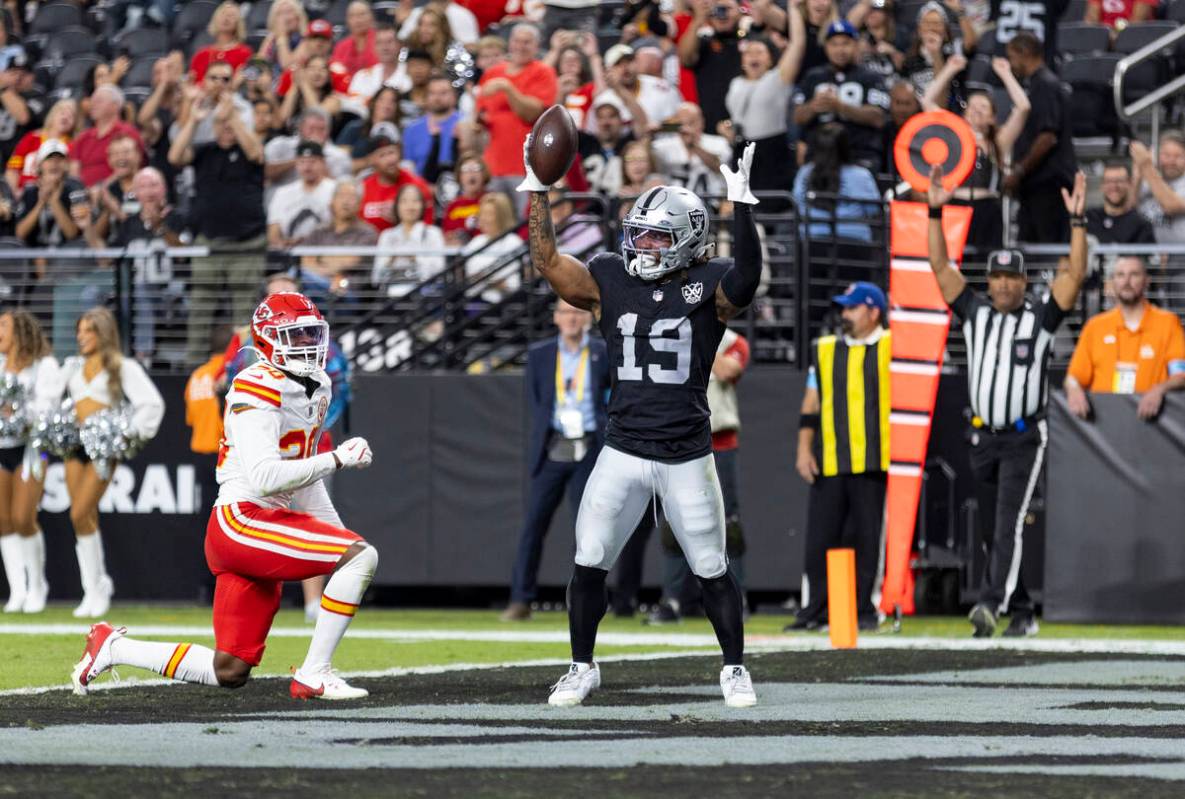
659, 340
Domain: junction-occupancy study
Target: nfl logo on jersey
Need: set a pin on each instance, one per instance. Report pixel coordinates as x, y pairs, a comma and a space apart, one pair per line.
693, 293
657, 295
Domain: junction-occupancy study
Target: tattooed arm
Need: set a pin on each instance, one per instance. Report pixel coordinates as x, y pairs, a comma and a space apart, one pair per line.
567, 275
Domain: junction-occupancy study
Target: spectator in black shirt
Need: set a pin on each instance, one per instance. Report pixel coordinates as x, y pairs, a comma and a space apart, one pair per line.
1038, 18
710, 47
600, 155
1117, 222
228, 217
114, 197
143, 233
21, 104
1043, 161
47, 211
841, 91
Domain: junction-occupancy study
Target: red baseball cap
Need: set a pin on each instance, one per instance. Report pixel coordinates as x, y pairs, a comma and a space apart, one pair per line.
320, 27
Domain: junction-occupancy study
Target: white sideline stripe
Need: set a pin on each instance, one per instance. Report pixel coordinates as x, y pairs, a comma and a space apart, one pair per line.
398, 671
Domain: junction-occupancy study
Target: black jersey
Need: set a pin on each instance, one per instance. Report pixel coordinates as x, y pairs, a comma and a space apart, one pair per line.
662, 337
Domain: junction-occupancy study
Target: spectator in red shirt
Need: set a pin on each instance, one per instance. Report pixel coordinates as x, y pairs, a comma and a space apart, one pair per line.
460, 217
317, 42
229, 32
381, 188
510, 97
88, 153
60, 123
1117, 14
356, 51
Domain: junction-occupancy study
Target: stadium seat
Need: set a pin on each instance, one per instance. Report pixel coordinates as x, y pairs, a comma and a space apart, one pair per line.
907, 14
1134, 37
1075, 11
1083, 38
1175, 12
1003, 104
193, 19
74, 72
199, 41
1093, 110
335, 15
140, 75
67, 42
257, 16
55, 16
979, 70
142, 42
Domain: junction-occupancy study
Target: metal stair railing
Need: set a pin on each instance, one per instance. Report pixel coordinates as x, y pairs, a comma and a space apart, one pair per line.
1156, 97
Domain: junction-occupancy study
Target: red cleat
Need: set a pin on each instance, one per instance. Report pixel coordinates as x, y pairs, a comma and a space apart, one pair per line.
323, 685
97, 657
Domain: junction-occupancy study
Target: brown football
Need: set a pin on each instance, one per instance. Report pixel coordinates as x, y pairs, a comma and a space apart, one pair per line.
553, 145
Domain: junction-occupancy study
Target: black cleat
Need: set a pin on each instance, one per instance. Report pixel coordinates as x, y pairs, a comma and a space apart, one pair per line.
665, 613
1021, 626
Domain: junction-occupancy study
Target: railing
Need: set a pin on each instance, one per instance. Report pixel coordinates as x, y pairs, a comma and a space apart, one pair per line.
453, 320
1154, 98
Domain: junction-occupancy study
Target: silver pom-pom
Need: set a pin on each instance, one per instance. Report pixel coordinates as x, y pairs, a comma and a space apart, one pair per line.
14, 419
108, 437
56, 432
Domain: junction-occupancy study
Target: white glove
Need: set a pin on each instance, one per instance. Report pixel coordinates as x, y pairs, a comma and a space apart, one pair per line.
738, 182
530, 182
354, 454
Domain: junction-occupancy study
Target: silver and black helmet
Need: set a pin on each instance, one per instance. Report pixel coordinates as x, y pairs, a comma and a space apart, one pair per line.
681, 220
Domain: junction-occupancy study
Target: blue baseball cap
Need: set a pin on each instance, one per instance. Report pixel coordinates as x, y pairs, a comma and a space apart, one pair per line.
862, 293
841, 27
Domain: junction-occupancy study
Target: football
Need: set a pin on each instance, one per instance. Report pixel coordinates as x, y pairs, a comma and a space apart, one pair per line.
553, 145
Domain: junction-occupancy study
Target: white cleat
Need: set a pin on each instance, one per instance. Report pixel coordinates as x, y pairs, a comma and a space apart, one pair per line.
36, 598
97, 601
737, 686
323, 685
16, 601
97, 657
575, 686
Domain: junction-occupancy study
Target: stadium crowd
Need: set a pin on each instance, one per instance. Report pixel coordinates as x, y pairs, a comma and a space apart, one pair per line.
253, 128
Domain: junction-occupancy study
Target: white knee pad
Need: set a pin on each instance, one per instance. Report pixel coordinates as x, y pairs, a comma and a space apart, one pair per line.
363, 564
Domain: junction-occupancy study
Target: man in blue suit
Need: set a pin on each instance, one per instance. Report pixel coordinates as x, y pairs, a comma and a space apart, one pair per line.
567, 384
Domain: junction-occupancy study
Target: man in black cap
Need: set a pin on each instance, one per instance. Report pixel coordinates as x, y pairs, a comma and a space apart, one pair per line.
843, 91
1009, 337
299, 208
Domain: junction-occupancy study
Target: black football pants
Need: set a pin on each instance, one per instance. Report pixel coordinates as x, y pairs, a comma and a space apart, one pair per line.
846, 510
1006, 467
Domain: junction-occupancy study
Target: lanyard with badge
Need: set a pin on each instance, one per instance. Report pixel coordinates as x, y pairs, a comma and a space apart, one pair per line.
570, 417
1124, 379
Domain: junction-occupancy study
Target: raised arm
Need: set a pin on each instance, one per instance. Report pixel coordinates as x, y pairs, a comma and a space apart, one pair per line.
791, 62
1068, 282
739, 284
570, 278
937, 93
1009, 132
950, 281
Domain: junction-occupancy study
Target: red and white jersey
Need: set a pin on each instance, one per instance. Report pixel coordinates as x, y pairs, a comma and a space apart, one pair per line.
269, 444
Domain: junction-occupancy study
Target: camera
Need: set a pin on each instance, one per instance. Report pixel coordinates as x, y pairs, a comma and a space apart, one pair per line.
251, 73
719, 12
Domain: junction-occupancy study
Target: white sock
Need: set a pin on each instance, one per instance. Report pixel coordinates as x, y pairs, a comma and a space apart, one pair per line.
89, 550
13, 555
34, 546
184, 662
98, 536
339, 602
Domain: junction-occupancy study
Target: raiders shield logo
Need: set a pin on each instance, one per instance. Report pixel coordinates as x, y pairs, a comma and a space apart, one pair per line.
693, 293
698, 219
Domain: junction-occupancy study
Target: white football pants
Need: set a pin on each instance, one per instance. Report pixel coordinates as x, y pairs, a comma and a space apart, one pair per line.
618, 491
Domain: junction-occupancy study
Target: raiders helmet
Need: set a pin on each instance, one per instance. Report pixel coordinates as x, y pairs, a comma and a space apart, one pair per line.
666, 230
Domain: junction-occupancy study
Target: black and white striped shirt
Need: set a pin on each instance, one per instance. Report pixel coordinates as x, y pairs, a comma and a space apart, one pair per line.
1007, 356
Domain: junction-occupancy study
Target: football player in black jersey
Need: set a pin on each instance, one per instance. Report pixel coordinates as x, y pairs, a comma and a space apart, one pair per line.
661, 304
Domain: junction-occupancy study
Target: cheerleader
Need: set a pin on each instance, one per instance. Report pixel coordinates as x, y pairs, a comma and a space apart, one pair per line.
100, 377
25, 354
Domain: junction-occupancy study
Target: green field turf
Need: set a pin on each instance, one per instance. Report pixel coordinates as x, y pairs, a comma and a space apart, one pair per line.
40, 659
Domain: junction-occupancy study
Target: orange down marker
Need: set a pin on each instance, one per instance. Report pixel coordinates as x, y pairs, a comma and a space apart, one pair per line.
841, 597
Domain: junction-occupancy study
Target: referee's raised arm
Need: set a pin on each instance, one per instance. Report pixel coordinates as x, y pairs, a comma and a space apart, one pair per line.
950, 281
1068, 282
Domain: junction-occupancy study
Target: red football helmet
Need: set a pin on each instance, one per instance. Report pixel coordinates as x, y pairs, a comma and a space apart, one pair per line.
289, 331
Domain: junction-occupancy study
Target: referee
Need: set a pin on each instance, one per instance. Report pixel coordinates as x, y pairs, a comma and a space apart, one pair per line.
1008, 337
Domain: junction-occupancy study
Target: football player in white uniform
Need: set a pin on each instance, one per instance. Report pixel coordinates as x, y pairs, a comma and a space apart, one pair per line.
273, 521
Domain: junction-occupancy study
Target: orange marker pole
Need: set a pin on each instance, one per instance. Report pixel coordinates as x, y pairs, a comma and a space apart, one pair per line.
841, 597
